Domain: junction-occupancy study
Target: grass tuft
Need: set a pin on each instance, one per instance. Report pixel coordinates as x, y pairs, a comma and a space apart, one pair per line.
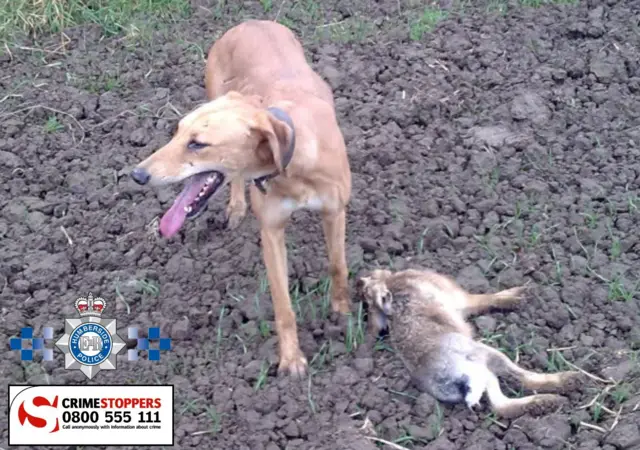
355, 333
426, 22
261, 381
35, 18
53, 125
266, 5
618, 290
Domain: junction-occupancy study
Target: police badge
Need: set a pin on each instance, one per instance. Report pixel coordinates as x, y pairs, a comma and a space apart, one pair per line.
91, 343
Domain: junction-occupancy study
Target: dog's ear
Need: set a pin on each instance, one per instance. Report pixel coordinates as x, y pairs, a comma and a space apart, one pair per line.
280, 135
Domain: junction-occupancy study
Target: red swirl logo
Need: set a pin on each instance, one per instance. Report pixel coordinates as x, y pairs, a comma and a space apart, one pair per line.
35, 412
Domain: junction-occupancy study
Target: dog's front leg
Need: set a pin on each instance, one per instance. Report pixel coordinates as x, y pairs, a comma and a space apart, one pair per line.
237, 207
334, 227
292, 359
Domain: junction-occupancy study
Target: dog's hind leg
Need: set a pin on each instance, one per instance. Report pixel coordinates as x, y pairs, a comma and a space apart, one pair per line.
334, 227
512, 408
237, 207
500, 364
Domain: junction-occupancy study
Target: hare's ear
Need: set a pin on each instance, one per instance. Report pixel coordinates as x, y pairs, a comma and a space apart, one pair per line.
381, 274
362, 283
386, 303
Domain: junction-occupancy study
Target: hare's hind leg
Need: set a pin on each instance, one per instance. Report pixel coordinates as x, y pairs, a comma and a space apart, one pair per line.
500, 364
478, 303
512, 408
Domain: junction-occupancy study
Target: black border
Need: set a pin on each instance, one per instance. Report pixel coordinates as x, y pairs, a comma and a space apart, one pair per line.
173, 414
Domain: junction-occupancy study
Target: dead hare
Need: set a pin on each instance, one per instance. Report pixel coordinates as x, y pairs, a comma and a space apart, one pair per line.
425, 314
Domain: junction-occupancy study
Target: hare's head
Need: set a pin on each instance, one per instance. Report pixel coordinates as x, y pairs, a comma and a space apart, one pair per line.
375, 292
377, 297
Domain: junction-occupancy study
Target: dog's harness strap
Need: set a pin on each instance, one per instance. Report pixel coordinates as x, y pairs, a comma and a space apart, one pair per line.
286, 158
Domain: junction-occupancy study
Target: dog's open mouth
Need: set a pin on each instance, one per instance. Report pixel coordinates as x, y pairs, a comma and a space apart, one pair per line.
191, 202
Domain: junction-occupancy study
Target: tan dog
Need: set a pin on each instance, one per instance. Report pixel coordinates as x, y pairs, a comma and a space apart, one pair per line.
425, 314
270, 120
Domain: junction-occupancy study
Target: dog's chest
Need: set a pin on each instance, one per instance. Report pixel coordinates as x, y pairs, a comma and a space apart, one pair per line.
279, 209
312, 203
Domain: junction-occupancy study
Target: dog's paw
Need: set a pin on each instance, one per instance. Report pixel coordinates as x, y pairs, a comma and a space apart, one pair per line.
294, 366
234, 215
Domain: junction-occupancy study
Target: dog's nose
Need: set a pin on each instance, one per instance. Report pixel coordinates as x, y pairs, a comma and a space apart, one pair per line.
140, 175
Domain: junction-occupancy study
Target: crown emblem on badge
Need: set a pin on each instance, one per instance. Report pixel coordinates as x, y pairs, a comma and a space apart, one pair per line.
90, 306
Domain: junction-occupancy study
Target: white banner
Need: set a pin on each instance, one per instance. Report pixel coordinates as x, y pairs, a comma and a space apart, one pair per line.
91, 415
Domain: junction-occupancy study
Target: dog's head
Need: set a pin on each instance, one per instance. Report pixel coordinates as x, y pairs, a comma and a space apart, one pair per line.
376, 295
230, 137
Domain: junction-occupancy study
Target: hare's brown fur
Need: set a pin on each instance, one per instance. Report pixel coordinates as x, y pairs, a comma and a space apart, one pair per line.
425, 313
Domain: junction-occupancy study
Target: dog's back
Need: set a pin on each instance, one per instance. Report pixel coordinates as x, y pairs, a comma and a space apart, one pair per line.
260, 57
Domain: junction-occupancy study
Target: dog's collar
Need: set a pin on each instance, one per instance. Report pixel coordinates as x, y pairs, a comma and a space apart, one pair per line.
288, 155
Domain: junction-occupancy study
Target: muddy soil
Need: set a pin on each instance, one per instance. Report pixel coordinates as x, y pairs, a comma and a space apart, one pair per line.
504, 147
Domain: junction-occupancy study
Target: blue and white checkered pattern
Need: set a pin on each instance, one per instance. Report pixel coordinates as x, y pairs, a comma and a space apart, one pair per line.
27, 344
153, 335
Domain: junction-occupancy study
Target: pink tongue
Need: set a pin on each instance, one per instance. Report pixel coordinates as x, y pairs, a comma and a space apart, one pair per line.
174, 218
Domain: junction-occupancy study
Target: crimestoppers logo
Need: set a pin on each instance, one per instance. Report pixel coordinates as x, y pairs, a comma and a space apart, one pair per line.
39, 413
90, 415
90, 344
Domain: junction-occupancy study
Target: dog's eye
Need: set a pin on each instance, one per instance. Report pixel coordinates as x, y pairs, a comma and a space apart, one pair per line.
195, 145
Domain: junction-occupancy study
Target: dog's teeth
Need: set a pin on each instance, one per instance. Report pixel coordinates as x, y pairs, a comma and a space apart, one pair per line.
211, 179
188, 209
